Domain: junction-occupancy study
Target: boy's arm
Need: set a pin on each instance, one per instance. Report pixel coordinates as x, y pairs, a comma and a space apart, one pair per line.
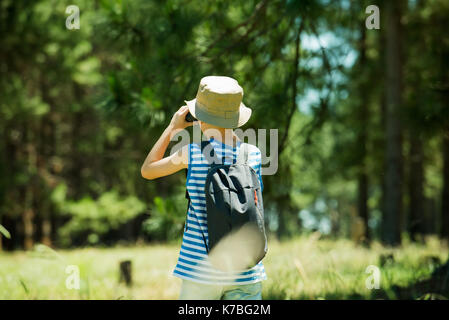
155, 165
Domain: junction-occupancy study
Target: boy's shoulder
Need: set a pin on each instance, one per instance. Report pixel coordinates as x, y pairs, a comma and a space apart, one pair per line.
253, 149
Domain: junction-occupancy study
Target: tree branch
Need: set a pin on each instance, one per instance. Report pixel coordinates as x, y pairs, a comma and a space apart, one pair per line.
294, 106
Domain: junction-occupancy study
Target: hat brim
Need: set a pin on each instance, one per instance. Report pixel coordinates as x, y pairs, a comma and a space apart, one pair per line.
239, 119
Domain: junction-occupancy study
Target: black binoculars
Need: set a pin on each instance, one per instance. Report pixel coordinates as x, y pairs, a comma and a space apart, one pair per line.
190, 117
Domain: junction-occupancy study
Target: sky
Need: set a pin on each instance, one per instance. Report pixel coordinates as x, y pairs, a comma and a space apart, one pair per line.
328, 41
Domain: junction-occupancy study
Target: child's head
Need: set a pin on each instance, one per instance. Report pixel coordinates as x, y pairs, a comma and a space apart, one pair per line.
218, 104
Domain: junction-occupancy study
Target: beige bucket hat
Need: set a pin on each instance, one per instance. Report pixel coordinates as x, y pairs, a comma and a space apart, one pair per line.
219, 102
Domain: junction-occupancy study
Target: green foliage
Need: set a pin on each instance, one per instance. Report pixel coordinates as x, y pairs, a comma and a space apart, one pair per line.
166, 218
94, 218
80, 109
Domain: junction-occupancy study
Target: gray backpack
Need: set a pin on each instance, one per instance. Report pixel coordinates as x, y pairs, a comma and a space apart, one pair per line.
234, 206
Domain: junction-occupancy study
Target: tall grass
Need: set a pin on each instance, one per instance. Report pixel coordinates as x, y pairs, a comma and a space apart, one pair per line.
302, 268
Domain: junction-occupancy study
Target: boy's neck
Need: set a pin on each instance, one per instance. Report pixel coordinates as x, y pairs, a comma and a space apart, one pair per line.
223, 135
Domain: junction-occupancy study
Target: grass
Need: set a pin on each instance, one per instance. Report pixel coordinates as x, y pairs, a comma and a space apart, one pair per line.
301, 268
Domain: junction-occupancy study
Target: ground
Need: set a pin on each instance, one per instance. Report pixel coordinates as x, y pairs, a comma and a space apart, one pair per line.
303, 268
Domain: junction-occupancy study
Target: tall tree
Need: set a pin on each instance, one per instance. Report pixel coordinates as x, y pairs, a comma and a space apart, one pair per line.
393, 155
416, 184
445, 193
444, 98
363, 115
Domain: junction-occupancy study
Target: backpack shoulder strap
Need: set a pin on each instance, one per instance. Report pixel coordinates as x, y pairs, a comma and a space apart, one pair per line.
242, 157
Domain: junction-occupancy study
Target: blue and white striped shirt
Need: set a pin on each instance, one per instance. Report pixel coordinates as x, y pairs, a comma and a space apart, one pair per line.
192, 263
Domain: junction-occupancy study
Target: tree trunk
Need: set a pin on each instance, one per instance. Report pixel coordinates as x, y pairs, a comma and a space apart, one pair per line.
28, 201
46, 225
393, 159
47, 149
125, 268
77, 159
285, 199
28, 228
416, 181
445, 195
362, 202
445, 102
430, 217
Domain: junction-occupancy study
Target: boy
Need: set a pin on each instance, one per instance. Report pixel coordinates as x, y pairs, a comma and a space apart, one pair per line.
218, 108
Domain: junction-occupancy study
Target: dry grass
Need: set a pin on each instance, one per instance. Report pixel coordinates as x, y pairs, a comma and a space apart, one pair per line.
302, 268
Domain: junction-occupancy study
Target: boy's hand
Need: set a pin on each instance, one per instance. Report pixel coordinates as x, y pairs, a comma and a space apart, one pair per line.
178, 121
155, 165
